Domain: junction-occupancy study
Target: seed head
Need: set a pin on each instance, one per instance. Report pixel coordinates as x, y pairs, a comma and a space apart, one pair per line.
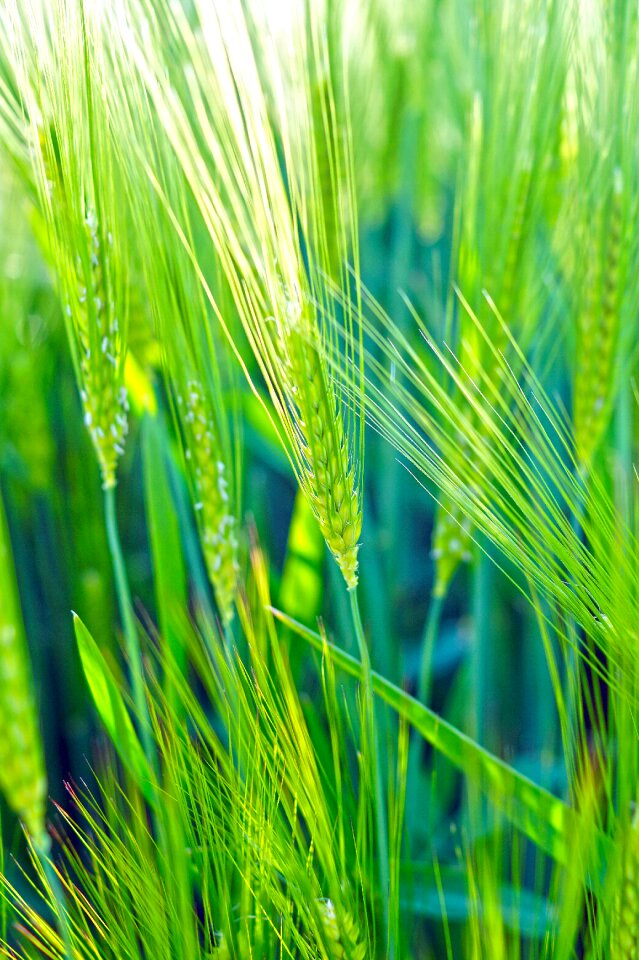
328, 473
452, 539
97, 332
598, 323
210, 480
625, 921
343, 937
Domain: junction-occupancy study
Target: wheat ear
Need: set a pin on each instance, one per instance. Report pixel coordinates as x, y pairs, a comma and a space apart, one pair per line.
330, 476
343, 937
624, 940
209, 474
597, 334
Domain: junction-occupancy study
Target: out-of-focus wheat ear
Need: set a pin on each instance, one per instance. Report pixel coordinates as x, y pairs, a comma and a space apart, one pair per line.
598, 328
342, 933
452, 540
511, 270
210, 479
22, 771
453, 531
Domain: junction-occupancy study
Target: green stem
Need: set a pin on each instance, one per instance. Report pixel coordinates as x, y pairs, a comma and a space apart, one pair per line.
125, 605
483, 652
372, 736
416, 800
59, 898
429, 639
401, 254
620, 703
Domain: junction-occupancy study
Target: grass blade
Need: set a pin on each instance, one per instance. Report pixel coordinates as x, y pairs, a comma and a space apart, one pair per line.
112, 710
544, 818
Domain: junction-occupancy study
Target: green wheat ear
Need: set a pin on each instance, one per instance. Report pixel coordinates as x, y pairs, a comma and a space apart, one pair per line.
82, 248
273, 233
72, 174
22, 773
209, 475
330, 476
96, 328
598, 324
343, 937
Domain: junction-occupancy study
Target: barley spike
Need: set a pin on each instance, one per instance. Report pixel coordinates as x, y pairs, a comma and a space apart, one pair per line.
330, 475
343, 937
218, 525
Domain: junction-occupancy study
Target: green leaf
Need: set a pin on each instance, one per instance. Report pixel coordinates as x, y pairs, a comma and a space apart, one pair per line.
544, 818
301, 587
521, 910
110, 705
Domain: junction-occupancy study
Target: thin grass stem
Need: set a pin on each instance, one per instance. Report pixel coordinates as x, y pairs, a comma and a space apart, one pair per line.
125, 605
483, 640
429, 638
59, 897
414, 809
372, 737
572, 690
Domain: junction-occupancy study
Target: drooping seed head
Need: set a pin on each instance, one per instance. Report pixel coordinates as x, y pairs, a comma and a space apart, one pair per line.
326, 468
276, 194
343, 936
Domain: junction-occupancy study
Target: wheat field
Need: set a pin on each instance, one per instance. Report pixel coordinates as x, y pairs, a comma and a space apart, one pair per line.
319, 543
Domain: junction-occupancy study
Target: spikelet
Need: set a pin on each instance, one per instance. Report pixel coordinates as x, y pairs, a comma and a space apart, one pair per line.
328, 473
209, 476
343, 937
22, 773
598, 330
